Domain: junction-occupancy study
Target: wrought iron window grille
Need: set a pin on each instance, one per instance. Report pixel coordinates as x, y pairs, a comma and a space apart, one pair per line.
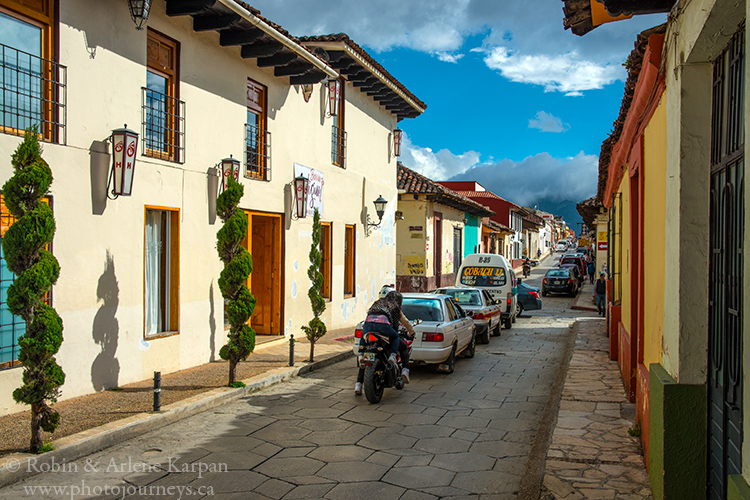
163, 120
338, 146
257, 153
33, 92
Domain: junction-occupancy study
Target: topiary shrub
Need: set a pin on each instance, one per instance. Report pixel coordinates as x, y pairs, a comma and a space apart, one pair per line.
315, 329
238, 264
36, 271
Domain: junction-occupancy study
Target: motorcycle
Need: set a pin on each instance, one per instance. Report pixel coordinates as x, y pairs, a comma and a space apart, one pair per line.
379, 373
526, 269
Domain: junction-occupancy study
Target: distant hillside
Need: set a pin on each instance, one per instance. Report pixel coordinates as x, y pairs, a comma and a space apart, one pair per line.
567, 209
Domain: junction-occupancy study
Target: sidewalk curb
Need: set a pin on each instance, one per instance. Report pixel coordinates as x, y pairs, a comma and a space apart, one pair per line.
576, 307
533, 472
14, 468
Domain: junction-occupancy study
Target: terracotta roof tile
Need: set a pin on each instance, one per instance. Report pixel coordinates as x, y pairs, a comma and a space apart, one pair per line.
343, 37
414, 183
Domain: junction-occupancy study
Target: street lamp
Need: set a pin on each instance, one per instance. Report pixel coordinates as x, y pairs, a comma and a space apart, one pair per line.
124, 147
139, 12
300, 194
397, 142
380, 204
229, 167
334, 94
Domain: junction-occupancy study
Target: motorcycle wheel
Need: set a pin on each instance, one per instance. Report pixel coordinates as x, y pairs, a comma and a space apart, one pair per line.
374, 385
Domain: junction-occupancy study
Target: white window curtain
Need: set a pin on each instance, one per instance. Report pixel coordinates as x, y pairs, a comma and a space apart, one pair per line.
156, 267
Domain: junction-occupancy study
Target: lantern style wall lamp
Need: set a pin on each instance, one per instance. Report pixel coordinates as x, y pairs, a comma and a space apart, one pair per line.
229, 167
124, 148
300, 196
334, 96
139, 12
380, 204
397, 142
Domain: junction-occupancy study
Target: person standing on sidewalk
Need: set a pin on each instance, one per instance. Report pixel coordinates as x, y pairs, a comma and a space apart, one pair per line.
592, 271
600, 291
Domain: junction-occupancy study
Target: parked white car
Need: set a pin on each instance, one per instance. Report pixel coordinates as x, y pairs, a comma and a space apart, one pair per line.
481, 306
445, 330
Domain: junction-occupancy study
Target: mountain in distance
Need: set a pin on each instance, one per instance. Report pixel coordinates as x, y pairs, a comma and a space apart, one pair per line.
565, 208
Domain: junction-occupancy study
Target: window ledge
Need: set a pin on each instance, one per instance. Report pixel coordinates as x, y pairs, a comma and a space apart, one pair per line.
161, 335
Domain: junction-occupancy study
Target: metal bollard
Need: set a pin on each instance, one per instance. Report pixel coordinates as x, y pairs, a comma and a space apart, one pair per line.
157, 391
291, 350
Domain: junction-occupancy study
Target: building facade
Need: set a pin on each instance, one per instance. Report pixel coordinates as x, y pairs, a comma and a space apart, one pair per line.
200, 83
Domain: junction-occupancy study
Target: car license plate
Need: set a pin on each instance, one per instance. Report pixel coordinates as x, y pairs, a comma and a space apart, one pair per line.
369, 356
558, 282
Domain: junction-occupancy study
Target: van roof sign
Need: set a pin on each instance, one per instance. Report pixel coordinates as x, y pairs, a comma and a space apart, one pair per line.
483, 276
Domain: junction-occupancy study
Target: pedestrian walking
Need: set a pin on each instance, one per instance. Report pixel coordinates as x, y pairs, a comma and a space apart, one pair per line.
592, 271
600, 291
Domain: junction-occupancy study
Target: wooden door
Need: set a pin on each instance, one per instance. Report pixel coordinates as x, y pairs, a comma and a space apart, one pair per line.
266, 276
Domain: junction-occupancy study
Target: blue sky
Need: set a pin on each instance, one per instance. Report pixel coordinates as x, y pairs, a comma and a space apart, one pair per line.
514, 101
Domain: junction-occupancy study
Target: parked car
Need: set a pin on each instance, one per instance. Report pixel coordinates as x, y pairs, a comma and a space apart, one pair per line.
528, 298
479, 304
576, 272
444, 332
559, 280
575, 259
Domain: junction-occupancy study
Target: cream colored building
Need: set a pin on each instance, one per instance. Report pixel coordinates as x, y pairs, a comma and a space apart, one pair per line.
431, 234
138, 287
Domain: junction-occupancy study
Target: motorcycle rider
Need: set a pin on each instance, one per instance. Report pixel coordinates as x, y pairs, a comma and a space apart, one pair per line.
526, 266
384, 317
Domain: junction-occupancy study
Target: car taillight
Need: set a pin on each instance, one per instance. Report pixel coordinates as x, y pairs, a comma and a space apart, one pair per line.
534, 294
544, 280
432, 337
508, 300
358, 333
570, 280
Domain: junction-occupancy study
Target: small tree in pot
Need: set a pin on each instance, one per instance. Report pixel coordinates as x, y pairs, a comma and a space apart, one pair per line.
238, 264
36, 270
315, 329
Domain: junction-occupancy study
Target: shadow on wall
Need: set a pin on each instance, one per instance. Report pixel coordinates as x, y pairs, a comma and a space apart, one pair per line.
105, 370
99, 162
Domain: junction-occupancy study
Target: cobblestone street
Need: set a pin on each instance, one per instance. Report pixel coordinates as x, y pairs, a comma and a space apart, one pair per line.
444, 436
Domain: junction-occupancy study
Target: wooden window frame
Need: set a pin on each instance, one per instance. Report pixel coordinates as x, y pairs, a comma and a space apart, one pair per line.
326, 263
339, 122
44, 18
174, 272
172, 108
261, 170
350, 261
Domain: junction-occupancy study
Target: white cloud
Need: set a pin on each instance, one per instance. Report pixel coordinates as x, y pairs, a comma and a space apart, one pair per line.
450, 58
568, 73
535, 178
527, 45
548, 123
538, 177
438, 166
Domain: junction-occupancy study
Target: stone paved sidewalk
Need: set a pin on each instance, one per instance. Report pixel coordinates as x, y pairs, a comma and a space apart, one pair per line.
591, 454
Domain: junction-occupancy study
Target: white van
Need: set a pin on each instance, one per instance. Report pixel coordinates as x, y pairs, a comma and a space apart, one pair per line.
495, 274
